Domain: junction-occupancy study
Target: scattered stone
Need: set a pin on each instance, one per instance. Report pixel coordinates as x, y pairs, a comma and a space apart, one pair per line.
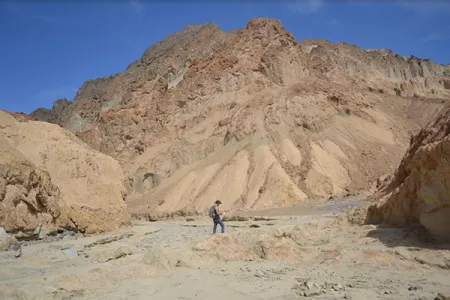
310, 288
263, 219
260, 274
310, 284
415, 288
82, 253
279, 271
315, 291
37, 230
105, 256
254, 226
21, 235
18, 253
122, 252
238, 219
159, 229
17, 248
110, 239
60, 247
43, 233
442, 297
388, 292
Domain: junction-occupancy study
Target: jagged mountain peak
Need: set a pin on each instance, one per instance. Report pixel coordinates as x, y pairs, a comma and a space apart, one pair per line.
203, 107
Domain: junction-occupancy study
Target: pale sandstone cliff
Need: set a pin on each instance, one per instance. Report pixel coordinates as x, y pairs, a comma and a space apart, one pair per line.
253, 117
50, 177
419, 192
27, 195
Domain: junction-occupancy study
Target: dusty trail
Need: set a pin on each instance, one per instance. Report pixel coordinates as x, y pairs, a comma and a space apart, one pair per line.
180, 260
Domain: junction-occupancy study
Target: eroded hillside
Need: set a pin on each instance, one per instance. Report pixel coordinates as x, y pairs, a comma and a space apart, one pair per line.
253, 117
419, 192
51, 178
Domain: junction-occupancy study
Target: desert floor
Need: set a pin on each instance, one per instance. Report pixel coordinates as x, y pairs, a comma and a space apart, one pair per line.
287, 254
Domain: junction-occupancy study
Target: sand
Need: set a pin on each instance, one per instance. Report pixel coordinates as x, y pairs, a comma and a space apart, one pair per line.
182, 260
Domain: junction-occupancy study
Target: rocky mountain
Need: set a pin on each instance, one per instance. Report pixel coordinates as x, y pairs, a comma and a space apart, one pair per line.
419, 191
252, 117
49, 177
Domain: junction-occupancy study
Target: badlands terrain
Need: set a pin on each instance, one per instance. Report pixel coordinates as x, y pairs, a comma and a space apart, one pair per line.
332, 163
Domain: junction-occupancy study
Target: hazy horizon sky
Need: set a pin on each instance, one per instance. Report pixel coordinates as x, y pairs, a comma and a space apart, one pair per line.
50, 48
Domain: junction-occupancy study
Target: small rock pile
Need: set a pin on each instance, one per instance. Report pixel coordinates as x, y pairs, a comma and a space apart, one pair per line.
310, 288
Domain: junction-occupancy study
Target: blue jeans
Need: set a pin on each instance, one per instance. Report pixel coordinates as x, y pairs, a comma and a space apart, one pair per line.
218, 221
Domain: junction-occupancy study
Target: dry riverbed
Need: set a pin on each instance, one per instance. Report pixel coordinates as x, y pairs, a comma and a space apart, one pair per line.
309, 254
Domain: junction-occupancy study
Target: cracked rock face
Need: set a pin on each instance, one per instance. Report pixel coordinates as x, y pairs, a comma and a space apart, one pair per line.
48, 177
27, 195
419, 192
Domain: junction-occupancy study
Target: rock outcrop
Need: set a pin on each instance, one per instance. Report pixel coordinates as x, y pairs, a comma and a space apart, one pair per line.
419, 191
27, 195
49, 177
252, 117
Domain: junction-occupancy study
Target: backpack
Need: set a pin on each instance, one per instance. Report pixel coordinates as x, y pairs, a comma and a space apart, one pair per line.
212, 212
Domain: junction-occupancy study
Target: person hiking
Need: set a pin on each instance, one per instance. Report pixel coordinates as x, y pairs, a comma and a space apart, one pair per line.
216, 215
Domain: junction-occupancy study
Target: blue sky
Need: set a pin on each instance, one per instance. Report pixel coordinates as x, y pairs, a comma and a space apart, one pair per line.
49, 48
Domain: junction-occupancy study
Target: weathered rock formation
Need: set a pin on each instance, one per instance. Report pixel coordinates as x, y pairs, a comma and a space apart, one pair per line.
419, 191
49, 177
27, 195
252, 117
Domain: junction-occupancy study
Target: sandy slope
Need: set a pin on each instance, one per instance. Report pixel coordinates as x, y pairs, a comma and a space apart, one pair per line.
252, 116
65, 183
